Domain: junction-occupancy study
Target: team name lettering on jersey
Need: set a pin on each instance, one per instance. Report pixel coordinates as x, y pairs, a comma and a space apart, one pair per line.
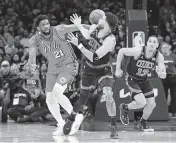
144, 64
94, 44
31, 82
51, 47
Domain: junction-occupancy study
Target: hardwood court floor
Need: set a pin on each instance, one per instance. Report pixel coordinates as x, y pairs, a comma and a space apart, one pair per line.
93, 132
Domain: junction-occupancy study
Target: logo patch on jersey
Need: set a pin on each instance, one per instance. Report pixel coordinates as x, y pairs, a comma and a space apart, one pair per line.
153, 59
63, 80
101, 40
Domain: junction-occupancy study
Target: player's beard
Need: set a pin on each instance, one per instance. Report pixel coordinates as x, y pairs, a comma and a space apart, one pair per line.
46, 33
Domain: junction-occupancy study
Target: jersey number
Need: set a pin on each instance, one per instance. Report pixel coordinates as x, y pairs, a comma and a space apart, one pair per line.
142, 72
58, 54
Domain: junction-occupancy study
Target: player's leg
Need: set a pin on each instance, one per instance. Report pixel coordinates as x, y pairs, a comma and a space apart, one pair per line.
74, 120
138, 102
106, 84
65, 76
52, 104
150, 105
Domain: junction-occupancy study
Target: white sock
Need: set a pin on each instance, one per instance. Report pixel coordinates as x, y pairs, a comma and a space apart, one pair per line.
61, 98
54, 108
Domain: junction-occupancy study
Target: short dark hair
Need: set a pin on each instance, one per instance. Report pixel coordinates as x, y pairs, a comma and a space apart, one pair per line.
112, 20
39, 18
154, 37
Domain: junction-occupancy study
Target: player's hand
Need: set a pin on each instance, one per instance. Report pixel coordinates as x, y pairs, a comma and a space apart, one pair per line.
118, 73
75, 19
72, 39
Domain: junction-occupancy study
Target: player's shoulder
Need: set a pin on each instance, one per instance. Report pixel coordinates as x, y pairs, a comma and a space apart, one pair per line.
60, 27
33, 39
111, 38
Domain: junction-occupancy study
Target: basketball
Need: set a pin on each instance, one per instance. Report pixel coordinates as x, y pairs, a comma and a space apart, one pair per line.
95, 15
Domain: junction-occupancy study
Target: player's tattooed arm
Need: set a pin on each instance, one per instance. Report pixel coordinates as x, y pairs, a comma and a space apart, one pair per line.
161, 68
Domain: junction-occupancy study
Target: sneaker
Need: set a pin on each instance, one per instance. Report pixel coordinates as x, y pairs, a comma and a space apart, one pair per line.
67, 127
143, 125
124, 114
114, 133
76, 125
59, 129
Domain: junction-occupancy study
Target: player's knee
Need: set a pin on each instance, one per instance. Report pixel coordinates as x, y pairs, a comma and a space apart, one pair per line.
49, 98
140, 100
151, 104
107, 91
59, 88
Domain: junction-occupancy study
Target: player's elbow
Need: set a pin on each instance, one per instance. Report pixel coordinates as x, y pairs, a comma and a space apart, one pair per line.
87, 36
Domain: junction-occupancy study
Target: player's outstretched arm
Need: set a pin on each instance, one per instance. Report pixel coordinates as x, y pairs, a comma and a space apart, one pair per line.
32, 52
77, 22
69, 28
161, 68
132, 52
107, 46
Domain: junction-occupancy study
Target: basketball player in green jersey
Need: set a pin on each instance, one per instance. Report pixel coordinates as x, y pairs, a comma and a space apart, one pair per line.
62, 67
143, 60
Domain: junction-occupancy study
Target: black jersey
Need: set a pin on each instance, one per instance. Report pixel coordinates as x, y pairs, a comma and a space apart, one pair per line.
94, 44
139, 68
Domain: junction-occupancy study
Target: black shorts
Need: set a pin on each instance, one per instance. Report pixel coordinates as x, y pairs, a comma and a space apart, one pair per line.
137, 86
92, 82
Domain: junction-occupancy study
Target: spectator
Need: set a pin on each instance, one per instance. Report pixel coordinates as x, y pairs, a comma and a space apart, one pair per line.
5, 88
170, 82
16, 59
20, 102
164, 14
166, 10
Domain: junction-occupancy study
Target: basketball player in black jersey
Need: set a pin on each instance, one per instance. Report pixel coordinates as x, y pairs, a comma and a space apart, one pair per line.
143, 60
97, 70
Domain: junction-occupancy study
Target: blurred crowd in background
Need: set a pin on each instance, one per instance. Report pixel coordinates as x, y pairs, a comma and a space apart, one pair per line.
16, 27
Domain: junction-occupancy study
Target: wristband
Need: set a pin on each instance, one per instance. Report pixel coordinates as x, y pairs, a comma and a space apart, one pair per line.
80, 46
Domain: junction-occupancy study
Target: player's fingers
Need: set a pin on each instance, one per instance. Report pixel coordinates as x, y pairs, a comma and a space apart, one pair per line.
70, 36
76, 16
73, 36
69, 41
72, 19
